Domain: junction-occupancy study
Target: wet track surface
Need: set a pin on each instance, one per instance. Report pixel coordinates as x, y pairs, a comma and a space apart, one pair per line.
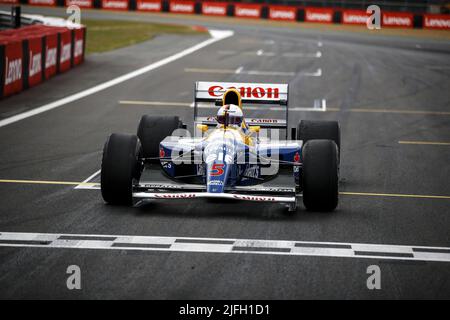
386, 93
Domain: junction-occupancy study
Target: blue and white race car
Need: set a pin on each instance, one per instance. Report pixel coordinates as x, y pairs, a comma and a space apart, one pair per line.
229, 156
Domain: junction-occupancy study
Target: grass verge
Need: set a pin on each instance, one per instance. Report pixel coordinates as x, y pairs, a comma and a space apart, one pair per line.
106, 35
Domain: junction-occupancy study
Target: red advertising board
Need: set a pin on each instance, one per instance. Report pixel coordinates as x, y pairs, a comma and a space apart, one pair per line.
34, 60
50, 3
12, 66
65, 49
320, 15
87, 4
436, 21
214, 8
115, 4
182, 7
354, 17
149, 5
243, 10
397, 19
283, 13
79, 45
9, 1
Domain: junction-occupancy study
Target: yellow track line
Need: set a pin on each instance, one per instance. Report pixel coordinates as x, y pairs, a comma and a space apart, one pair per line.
156, 103
370, 194
224, 71
426, 143
71, 183
401, 111
362, 110
341, 193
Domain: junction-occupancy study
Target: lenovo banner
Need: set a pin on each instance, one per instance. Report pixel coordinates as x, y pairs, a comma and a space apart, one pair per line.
397, 19
87, 4
214, 8
149, 5
35, 55
354, 17
182, 7
321, 15
50, 3
242, 10
436, 21
65, 49
115, 4
283, 13
12, 66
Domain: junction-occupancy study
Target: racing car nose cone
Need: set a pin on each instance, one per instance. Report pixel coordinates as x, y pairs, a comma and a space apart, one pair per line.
217, 176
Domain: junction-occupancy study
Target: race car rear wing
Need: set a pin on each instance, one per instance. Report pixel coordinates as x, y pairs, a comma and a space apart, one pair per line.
251, 93
257, 93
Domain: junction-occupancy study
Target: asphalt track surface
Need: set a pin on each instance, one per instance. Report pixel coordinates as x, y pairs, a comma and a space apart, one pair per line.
382, 90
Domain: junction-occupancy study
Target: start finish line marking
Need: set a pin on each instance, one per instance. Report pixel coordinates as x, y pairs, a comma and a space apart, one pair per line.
224, 245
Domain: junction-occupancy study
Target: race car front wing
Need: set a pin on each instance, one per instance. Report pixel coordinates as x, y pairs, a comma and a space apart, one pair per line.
146, 192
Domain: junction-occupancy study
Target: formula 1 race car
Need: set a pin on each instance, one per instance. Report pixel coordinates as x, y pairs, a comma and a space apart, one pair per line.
229, 156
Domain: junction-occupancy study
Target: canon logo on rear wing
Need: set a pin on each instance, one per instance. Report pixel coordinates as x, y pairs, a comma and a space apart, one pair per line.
257, 92
246, 92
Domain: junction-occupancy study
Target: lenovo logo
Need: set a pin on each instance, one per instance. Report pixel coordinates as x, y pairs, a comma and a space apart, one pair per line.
181, 7
44, 2
78, 48
355, 18
65, 53
246, 92
50, 59
247, 12
150, 6
35, 64
13, 70
214, 10
437, 23
282, 14
397, 21
320, 17
111, 4
80, 3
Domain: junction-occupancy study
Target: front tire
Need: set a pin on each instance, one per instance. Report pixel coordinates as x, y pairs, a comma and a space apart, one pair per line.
320, 175
121, 168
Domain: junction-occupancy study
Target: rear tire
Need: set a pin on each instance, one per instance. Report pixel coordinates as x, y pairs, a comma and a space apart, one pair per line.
329, 130
121, 168
320, 175
152, 130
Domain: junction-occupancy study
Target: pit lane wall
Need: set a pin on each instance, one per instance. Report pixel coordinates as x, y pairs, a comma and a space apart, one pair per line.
35, 53
246, 10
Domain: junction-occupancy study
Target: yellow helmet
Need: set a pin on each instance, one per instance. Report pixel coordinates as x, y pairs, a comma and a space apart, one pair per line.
232, 96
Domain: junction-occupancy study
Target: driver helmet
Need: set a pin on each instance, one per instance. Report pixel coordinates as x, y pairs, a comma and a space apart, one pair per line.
230, 114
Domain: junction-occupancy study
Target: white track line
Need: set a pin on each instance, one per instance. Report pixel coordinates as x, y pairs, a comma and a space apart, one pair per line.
83, 185
225, 245
215, 36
